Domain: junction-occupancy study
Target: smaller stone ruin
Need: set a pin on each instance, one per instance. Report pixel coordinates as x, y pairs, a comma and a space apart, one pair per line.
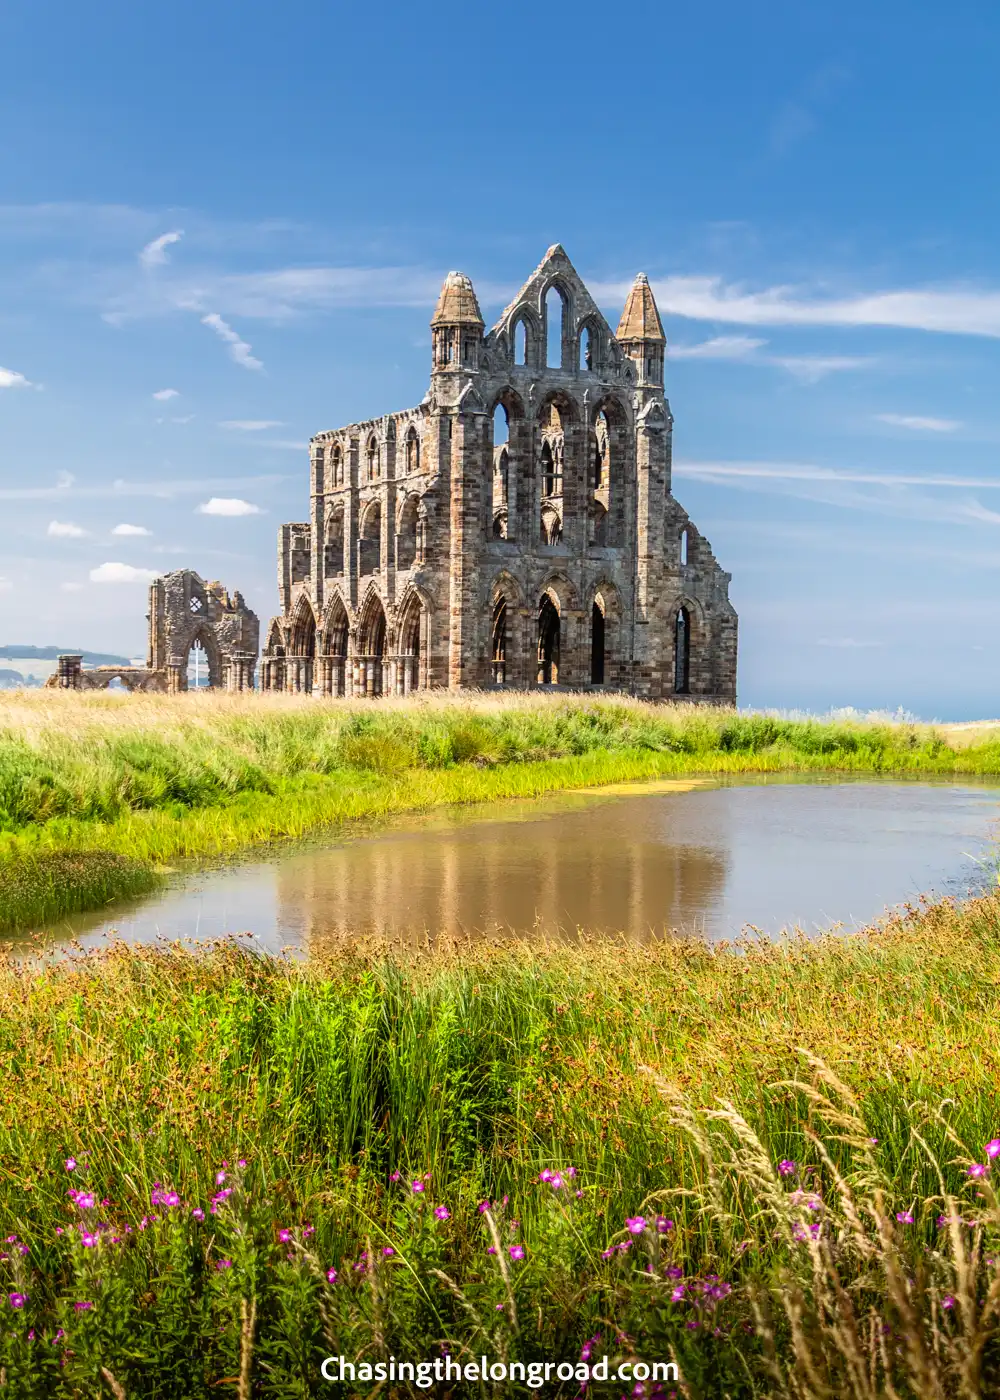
184, 612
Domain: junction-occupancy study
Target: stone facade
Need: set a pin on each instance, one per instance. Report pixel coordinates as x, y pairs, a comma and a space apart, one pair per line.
515, 529
184, 611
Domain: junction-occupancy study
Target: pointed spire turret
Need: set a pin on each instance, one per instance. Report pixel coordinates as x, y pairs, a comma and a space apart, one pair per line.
457, 325
640, 333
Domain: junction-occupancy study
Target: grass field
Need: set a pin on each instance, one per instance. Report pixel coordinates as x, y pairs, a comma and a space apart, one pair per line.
761, 1165
148, 779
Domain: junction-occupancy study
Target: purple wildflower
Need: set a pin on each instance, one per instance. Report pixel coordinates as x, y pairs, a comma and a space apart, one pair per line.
663, 1225
83, 1200
678, 1292
224, 1264
904, 1217
787, 1167
16, 1300
607, 1253
977, 1169
388, 1251
636, 1224
992, 1148
947, 1302
483, 1207
284, 1236
416, 1186
220, 1178
556, 1181
70, 1164
545, 1175
82, 1307
197, 1213
516, 1251
89, 1241
396, 1176
331, 1275
442, 1212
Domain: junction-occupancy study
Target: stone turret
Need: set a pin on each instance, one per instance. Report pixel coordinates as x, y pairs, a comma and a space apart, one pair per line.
640, 334
457, 326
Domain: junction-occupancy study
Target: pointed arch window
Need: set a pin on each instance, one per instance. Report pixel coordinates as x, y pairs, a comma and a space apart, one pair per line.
682, 652
412, 451
498, 657
337, 465
373, 459
555, 309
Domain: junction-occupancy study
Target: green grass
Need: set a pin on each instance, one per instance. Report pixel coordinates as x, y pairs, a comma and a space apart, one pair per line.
154, 779
483, 1066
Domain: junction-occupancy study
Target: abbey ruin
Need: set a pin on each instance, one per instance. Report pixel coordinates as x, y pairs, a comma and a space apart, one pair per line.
517, 528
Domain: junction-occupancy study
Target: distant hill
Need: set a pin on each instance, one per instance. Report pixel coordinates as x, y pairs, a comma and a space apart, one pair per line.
13, 680
90, 658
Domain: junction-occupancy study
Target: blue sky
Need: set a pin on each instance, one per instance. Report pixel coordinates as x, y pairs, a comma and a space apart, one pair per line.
253, 207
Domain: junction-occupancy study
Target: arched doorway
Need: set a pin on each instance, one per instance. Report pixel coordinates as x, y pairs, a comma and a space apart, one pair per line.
597, 642
408, 659
682, 652
498, 649
334, 668
370, 662
299, 663
548, 642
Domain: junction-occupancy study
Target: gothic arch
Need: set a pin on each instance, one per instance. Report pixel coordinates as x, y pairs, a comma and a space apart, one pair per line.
370, 646
303, 628
605, 615
687, 644
565, 404
524, 315
563, 592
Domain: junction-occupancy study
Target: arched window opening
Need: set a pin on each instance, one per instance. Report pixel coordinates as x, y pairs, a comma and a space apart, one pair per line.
554, 310
501, 425
602, 451
551, 526
597, 642
373, 462
336, 649
548, 642
520, 344
412, 451
498, 652
337, 466
333, 551
370, 543
684, 548
197, 669
548, 470
682, 652
586, 349
406, 539
501, 485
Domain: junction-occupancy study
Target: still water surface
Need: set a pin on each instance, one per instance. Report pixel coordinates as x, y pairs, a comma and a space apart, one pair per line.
702, 859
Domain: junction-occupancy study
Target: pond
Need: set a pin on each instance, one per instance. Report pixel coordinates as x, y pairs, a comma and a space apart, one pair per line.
697, 857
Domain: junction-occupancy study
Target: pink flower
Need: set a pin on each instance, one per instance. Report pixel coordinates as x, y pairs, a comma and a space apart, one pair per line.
71, 1164
284, 1236
416, 1186
787, 1167
331, 1275
197, 1213
83, 1200
82, 1307
442, 1212
16, 1300
947, 1302
636, 1224
220, 1178
678, 1293
242, 1162
904, 1217
224, 1264
388, 1251
992, 1148
396, 1176
545, 1175
516, 1251
977, 1169
663, 1225
483, 1207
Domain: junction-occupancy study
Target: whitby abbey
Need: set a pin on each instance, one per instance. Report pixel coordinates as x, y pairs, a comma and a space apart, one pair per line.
517, 528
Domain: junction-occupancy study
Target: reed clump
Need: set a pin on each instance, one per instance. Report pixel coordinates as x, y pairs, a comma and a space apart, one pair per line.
156, 778
771, 1165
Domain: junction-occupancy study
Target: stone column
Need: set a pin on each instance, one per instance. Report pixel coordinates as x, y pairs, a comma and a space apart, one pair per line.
69, 672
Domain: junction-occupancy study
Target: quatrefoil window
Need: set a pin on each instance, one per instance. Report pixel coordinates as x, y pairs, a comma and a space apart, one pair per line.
196, 605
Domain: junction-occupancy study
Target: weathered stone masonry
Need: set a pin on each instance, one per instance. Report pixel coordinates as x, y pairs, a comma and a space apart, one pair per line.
515, 529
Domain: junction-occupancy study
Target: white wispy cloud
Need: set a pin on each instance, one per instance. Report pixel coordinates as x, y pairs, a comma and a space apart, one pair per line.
164, 394
160, 490
227, 505
810, 369
720, 347
792, 471
919, 424
251, 425
11, 379
121, 573
131, 530
64, 480
155, 253
65, 530
240, 351
956, 311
